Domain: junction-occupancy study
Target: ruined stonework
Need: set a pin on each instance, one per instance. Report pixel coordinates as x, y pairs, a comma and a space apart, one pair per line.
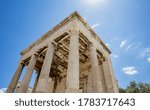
70, 58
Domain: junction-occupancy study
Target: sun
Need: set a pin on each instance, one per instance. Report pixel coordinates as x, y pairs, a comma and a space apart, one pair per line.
95, 2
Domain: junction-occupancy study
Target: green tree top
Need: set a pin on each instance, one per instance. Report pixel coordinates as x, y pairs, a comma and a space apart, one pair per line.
136, 88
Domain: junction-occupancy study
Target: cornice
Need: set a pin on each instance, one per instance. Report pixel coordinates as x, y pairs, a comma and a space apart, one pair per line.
64, 22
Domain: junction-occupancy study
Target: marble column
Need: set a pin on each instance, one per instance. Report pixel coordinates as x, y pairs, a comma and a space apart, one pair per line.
73, 63
111, 84
96, 80
45, 71
36, 81
27, 77
102, 78
50, 85
15, 78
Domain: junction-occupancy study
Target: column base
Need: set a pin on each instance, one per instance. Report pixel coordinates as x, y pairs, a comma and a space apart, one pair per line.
97, 88
9, 91
71, 90
40, 92
112, 90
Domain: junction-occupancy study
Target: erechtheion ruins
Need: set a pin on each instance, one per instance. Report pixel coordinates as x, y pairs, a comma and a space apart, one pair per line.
70, 58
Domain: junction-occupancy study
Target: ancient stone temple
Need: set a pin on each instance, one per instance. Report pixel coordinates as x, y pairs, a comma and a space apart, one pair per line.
70, 58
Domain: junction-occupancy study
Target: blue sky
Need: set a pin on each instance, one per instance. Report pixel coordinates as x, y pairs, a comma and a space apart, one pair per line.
124, 25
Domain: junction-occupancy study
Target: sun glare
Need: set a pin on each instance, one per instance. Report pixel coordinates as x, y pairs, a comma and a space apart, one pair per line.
95, 2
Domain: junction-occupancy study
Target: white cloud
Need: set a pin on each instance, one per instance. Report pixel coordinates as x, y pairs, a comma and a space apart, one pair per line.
123, 43
3, 90
114, 55
95, 25
148, 59
145, 52
130, 70
107, 45
129, 46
